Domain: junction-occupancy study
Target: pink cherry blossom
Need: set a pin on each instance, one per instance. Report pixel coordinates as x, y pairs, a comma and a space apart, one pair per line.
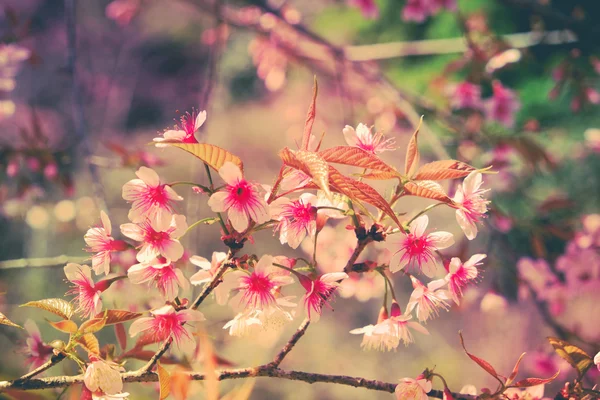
416, 10
240, 199
293, 180
100, 241
257, 290
427, 300
166, 322
319, 292
467, 95
460, 274
185, 130
368, 8
378, 337
162, 274
502, 106
207, 271
471, 205
87, 294
36, 351
412, 389
103, 377
149, 198
417, 248
364, 139
400, 325
245, 323
530, 393
297, 218
158, 238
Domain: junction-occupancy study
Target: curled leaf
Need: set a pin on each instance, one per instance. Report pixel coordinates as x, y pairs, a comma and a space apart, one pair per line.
66, 325
412, 153
310, 117
515, 370
528, 382
444, 169
5, 321
121, 336
60, 307
92, 325
212, 155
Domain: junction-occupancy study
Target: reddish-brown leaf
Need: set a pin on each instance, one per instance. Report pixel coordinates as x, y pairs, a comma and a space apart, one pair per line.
310, 117
380, 176
311, 164
121, 336
356, 157
427, 189
65, 325
445, 169
535, 381
515, 371
481, 362
412, 153
117, 316
359, 191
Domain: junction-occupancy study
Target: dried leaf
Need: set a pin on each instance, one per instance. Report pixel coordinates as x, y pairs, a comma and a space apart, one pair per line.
481, 362
90, 343
359, 191
5, 321
210, 368
92, 325
311, 164
66, 325
427, 189
212, 155
242, 392
164, 380
412, 153
356, 157
535, 381
121, 336
310, 117
515, 371
445, 169
60, 307
574, 355
117, 316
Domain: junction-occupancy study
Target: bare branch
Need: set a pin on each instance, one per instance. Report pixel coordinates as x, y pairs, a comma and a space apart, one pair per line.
291, 343
55, 359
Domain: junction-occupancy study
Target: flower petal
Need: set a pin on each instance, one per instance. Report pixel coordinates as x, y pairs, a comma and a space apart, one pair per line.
418, 226
149, 176
230, 173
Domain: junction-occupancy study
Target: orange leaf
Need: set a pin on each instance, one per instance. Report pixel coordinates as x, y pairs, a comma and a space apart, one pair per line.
380, 176
92, 325
210, 368
311, 164
180, 384
212, 155
310, 117
60, 307
90, 343
359, 191
164, 380
356, 157
412, 153
445, 169
117, 316
535, 381
428, 190
66, 325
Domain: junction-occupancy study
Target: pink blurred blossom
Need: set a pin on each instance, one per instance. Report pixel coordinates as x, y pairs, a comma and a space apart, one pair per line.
466, 95
502, 106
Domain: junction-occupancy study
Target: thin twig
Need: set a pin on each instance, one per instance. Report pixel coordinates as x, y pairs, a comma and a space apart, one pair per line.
55, 359
42, 262
291, 343
267, 370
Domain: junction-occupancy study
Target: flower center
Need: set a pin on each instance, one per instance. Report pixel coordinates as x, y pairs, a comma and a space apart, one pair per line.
258, 289
155, 238
242, 192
